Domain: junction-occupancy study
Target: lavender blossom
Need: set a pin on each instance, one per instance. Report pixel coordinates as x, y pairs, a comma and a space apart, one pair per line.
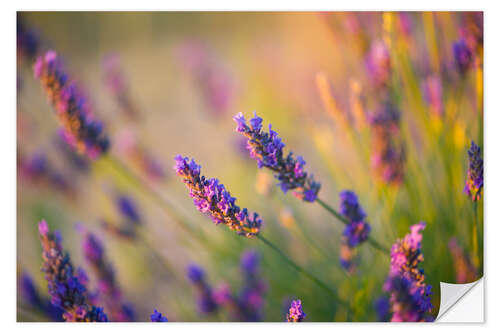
206, 301
212, 198
108, 289
388, 153
158, 317
28, 42
80, 128
382, 307
267, 150
295, 313
378, 64
355, 232
66, 290
128, 208
410, 301
409, 295
32, 296
474, 182
463, 56
118, 85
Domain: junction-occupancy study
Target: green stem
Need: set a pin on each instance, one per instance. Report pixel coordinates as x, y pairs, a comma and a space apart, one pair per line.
476, 221
304, 272
342, 219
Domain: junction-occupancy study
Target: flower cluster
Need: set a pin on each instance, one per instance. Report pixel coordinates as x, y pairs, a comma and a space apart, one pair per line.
382, 307
355, 232
30, 294
409, 295
158, 317
108, 290
117, 85
65, 288
80, 129
27, 41
143, 159
463, 56
267, 150
212, 198
206, 300
38, 170
248, 303
465, 270
378, 64
474, 183
388, 154
211, 77
295, 313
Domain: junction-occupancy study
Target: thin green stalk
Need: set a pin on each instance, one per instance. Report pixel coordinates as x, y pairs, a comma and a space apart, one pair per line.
342, 219
304, 272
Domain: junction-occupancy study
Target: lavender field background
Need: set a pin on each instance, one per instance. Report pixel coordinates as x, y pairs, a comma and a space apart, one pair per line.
385, 105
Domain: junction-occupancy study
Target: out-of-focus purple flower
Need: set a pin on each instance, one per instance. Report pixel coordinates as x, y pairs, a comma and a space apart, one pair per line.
158, 317
463, 56
65, 289
108, 289
474, 182
382, 307
138, 154
214, 81
211, 197
118, 85
433, 94
27, 41
128, 208
295, 313
465, 271
409, 295
38, 170
355, 232
388, 153
32, 296
267, 150
247, 304
378, 64
80, 128
350, 207
206, 300
410, 301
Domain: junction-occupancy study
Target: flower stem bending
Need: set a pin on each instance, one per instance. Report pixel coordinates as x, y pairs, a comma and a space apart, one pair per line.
344, 220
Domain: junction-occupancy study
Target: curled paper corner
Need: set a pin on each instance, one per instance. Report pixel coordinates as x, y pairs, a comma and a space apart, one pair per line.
461, 302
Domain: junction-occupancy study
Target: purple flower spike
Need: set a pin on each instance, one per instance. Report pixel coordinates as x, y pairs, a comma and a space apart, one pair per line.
463, 56
295, 313
355, 233
206, 298
409, 295
474, 183
81, 130
65, 289
108, 289
158, 317
267, 149
212, 198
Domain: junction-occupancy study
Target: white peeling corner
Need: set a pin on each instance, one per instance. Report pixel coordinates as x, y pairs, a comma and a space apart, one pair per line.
462, 303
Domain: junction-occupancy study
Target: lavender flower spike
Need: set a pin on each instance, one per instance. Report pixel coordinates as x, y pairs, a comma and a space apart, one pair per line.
109, 291
474, 183
66, 290
356, 232
80, 128
295, 313
212, 198
206, 300
267, 150
158, 317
